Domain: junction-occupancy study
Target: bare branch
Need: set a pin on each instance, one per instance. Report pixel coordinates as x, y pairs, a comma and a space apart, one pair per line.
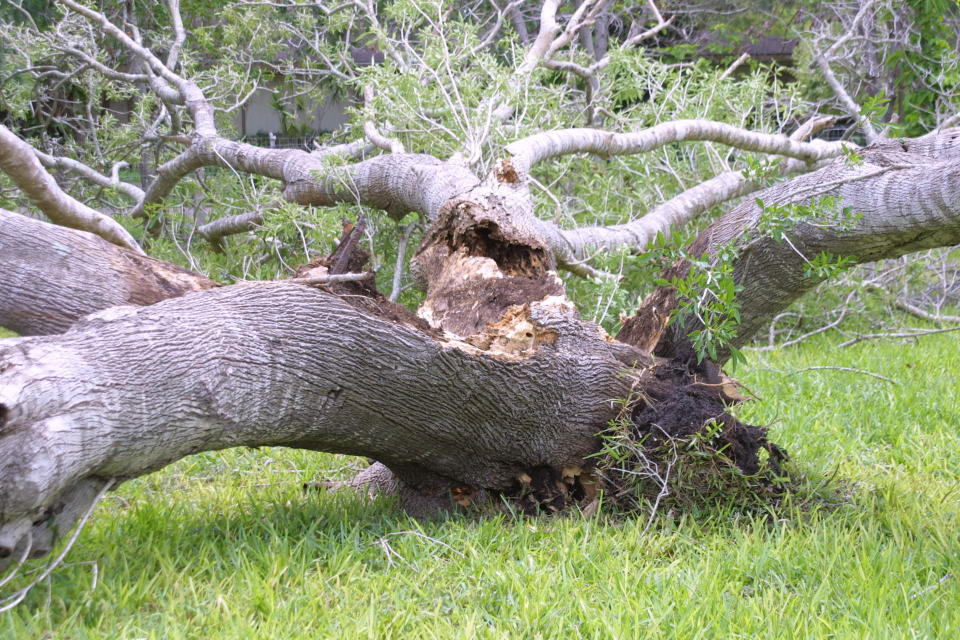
680, 209
334, 278
519, 23
686, 206
541, 44
180, 35
188, 92
734, 66
370, 130
949, 122
823, 63
133, 192
103, 69
214, 231
527, 152
400, 265
652, 31
18, 160
497, 26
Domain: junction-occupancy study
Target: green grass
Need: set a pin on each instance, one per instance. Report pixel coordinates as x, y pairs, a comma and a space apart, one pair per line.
228, 545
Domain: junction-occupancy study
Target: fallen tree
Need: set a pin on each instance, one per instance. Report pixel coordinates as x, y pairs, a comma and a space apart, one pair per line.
501, 380
495, 386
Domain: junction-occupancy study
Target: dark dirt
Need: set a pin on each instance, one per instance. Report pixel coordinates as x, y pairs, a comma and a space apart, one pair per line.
681, 420
680, 404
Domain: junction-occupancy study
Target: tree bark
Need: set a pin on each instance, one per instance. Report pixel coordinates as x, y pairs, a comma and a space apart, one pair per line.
51, 276
900, 198
126, 392
19, 161
501, 382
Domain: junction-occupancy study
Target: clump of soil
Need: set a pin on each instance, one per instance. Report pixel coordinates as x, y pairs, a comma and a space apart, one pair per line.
675, 445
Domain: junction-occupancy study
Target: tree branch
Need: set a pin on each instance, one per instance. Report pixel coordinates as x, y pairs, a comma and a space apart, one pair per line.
52, 276
902, 208
823, 62
131, 191
188, 92
527, 152
291, 366
19, 161
390, 145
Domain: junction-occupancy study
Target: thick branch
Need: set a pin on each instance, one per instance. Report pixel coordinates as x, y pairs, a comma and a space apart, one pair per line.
283, 364
398, 183
663, 218
525, 153
214, 231
686, 206
51, 276
896, 203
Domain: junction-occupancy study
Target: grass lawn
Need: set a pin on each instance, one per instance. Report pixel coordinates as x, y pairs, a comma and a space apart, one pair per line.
229, 545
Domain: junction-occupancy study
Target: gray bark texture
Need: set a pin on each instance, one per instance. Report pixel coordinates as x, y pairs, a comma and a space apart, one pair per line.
51, 276
898, 198
496, 380
129, 390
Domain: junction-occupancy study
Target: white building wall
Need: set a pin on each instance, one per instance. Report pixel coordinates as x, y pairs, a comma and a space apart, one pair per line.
259, 116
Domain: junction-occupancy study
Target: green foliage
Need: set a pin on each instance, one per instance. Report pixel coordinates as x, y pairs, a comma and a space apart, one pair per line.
707, 291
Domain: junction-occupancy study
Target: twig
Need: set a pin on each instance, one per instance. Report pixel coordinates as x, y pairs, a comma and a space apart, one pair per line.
866, 373
426, 537
736, 65
390, 145
334, 277
17, 597
931, 587
903, 305
831, 325
23, 557
398, 270
915, 334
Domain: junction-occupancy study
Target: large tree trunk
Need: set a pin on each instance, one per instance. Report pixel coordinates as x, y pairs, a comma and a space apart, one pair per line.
285, 364
502, 383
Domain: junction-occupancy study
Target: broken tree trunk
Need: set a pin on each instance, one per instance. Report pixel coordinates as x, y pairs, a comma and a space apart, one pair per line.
501, 383
285, 364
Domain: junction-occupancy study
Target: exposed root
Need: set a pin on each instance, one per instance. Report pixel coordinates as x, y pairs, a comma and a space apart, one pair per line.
674, 443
